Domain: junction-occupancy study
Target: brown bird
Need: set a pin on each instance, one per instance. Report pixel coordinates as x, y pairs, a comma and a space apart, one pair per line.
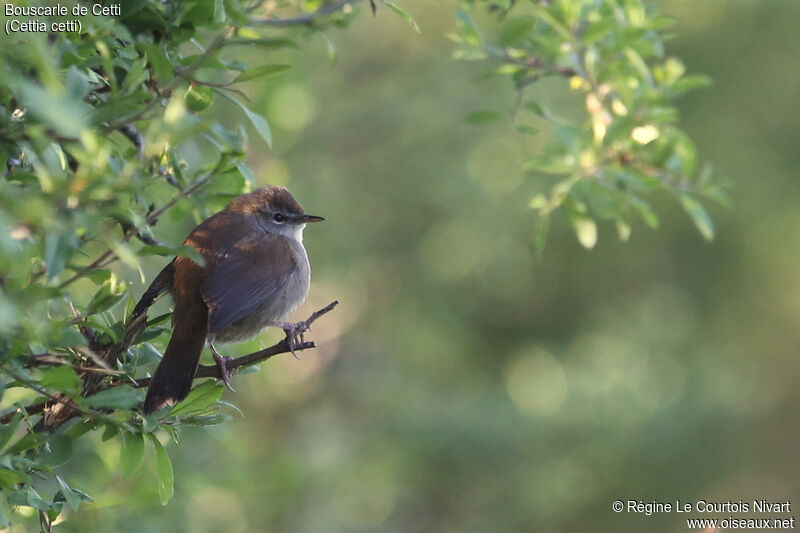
256, 273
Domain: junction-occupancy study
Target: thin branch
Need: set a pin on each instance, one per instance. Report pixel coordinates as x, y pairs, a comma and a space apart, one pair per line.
212, 371
181, 75
97, 263
10, 164
55, 359
109, 256
31, 410
61, 399
133, 135
152, 217
532, 62
303, 20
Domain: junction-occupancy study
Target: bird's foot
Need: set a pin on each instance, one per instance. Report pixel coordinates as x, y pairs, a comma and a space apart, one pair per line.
222, 365
295, 332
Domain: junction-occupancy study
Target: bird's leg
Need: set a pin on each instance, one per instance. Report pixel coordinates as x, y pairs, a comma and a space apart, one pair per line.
222, 365
294, 334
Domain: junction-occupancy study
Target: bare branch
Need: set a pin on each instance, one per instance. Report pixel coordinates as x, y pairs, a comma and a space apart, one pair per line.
31, 410
212, 371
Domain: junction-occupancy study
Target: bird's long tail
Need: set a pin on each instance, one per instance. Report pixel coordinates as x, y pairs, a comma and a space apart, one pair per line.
160, 285
173, 378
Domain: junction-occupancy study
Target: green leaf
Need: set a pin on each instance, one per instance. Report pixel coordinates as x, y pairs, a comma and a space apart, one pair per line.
228, 404
186, 251
199, 98
10, 478
471, 34
162, 67
131, 452
28, 442
57, 450
200, 398
71, 337
536, 109
482, 117
110, 432
77, 85
61, 378
246, 172
516, 29
259, 122
585, 229
411, 22
330, 48
268, 43
34, 500
262, 71
98, 276
107, 297
120, 397
66, 116
639, 64
58, 248
689, 83
540, 236
623, 229
150, 334
645, 211
72, 498
699, 216
164, 470
584, 226
127, 256
550, 163
207, 420
219, 12
553, 22
7, 431
526, 128
598, 29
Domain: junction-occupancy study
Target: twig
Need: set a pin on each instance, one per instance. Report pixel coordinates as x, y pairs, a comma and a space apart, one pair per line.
130, 131
212, 371
533, 62
58, 399
10, 164
181, 74
54, 359
34, 409
109, 256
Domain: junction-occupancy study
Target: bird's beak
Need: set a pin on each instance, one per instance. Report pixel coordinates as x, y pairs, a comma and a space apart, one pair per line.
310, 218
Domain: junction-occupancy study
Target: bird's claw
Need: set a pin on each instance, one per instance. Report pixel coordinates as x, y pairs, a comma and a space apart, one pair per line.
294, 335
222, 366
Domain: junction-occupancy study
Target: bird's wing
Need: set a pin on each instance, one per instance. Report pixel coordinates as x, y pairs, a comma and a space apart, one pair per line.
247, 275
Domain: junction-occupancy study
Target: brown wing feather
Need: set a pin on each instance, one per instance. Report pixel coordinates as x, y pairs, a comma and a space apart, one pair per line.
246, 277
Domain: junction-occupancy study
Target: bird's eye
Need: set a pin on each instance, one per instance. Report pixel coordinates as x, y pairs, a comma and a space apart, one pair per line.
278, 217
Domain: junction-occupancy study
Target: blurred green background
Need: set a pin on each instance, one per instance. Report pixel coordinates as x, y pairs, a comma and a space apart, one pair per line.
466, 384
